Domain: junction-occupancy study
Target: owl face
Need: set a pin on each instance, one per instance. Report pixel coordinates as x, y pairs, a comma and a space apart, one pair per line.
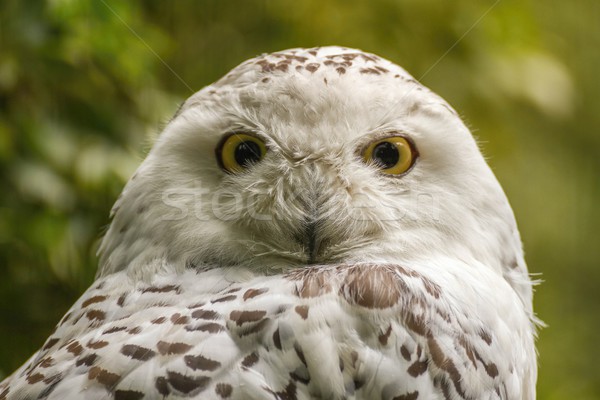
311, 157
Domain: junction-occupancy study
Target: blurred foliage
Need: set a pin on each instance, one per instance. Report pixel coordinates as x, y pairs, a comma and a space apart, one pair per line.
85, 86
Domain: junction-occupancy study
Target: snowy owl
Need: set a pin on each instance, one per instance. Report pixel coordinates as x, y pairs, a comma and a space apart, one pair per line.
314, 225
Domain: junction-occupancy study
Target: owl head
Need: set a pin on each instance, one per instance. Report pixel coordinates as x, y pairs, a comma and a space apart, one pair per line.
313, 156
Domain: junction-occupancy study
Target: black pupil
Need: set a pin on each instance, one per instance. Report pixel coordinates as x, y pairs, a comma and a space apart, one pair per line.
247, 153
386, 155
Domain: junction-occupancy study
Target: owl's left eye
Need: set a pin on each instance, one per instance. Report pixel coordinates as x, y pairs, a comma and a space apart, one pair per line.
394, 155
238, 151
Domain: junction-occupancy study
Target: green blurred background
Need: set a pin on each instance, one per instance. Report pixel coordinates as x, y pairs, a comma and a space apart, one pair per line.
85, 87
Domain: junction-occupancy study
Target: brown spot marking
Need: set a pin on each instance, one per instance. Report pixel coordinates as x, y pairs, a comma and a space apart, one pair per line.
445, 316
250, 360
416, 324
445, 389
408, 396
288, 393
444, 363
265, 80
407, 272
349, 57
312, 67
314, 283
371, 287
241, 317
166, 348
486, 337
381, 69
491, 369
95, 315
370, 57
197, 305
135, 330
49, 343
256, 327
92, 300
383, 338
265, 65
114, 329
161, 386
88, 360
121, 299
100, 285
46, 362
128, 395
405, 353
159, 320
51, 383
224, 390
431, 287
468, 349
252, 293
201, 362
312, 53
300, 59
282, 65
302, 311
162, 289
187, 384
137, 352
74, 348
371, 71
210, 328
205, 314
96, 344
224, 299
277, 339
108, 379
341, 70
417, 368
35, 378
178, 319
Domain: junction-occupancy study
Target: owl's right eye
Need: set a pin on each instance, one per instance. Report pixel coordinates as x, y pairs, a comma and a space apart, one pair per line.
394, 155
238, 151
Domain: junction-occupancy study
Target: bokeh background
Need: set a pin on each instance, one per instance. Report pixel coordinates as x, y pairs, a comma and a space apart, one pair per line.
85, 87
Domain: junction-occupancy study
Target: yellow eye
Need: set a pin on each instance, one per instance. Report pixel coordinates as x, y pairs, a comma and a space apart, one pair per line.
238, 151
394, 155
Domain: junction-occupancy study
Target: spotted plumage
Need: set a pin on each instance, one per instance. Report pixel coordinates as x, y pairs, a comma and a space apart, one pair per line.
311, 271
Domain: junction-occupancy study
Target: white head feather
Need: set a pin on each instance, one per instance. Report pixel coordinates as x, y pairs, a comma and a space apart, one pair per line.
312, 199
